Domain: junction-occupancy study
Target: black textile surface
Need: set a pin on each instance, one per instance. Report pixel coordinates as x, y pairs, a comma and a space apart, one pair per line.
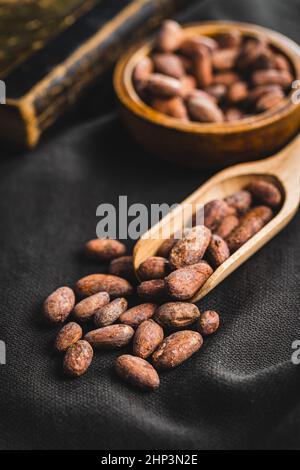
240, 392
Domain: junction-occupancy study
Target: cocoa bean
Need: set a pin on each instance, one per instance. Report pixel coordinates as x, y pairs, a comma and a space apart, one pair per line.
176, 348
183, 283
265, 193
78, 358
136, 315
217, 252
143, 70
169, 36
163, 86
87, 308
104, 249
110, 313
115, 286
214, 213
227, 225
282, 78
147, 338
203, 69
208, 323
224, 59
123, 267
137, 372
204, 110
58, 306
191, 248
152, 290
168, 64
68, 335
241, 201
250, 224
166, 247
110, 337
154, 267
176, 315
173, 107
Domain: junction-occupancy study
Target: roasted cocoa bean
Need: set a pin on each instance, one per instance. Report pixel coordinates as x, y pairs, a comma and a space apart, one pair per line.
78, 358
203, 68
251, 51
225, 59
250, 224
208, 323
204, 110
163, 86
176, 349
217, 91
137, 372
241, 201
191, 248
189, 84
168, 64
265, 193
143, 70
147, 338
152, 290
104, 249
268, 101
176, 315
87, 308
169, 36
173, 107
123, 267
237, 92
58, 306
166, 247
228, 224
110, 313
183, 283
214, 213
282, 63
136, 315
190, 46
226, 78
234, 114
154, 267
115, 286
110, 337
68, 335
217, 252
259, 92
232, 39
282, 78
202, 95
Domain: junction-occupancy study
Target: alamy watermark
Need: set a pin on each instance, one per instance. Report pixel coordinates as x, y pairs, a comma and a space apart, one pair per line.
296, 94
2, 353
296, 354
133, 221
2, 92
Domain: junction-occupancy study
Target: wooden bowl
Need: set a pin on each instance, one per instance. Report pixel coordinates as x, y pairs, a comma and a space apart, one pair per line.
209, 145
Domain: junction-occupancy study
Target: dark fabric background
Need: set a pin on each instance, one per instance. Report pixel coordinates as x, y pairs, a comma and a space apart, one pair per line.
240, 392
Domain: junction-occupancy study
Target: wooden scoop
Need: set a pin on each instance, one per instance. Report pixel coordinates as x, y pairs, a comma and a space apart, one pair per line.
283, 169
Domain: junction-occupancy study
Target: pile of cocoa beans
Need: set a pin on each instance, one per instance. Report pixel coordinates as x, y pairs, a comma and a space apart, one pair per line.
212, 79
159, 328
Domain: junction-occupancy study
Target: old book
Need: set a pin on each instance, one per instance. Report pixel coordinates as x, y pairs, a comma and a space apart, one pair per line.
52, 51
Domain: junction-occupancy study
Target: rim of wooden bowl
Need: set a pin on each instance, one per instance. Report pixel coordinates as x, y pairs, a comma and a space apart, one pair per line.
129, 98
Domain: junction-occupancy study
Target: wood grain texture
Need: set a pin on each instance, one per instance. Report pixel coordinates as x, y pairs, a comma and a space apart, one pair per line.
283, 169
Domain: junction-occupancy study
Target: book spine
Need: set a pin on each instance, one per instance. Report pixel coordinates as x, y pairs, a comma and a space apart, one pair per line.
62, 87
